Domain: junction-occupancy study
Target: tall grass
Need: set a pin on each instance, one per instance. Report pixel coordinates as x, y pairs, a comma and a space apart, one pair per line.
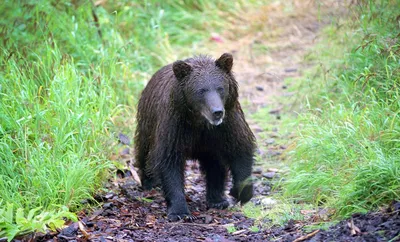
70, 75
347, 156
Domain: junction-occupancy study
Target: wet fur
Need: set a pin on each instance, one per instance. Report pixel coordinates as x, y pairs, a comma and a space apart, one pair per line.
170, 131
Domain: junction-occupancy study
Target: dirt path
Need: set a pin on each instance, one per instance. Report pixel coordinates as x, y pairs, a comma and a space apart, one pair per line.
269, 45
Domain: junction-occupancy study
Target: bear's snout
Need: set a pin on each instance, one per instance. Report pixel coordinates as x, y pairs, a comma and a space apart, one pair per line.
215, 111
217, 116
214, 117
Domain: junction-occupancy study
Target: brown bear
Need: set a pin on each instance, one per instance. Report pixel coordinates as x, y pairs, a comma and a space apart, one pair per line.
190, 110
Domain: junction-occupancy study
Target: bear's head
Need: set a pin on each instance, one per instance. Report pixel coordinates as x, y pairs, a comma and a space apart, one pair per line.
208, 87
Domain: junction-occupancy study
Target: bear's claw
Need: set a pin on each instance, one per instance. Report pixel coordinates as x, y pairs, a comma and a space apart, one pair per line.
176, 217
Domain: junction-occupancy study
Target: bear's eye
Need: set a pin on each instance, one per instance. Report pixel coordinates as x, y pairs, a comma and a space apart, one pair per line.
202, 91
220, 89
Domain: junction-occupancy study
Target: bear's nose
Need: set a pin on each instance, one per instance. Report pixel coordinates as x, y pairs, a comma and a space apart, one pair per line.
217, 114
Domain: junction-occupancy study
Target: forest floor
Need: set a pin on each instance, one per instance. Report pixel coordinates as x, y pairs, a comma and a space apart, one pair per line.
269, 46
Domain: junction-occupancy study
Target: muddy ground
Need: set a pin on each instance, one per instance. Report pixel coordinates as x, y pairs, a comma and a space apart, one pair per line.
129, 214
269, 45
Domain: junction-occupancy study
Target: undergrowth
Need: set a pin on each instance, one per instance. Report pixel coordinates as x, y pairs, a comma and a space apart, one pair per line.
347, 154
70, 75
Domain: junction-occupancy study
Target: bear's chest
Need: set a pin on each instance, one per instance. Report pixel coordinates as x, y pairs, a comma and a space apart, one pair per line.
203, 142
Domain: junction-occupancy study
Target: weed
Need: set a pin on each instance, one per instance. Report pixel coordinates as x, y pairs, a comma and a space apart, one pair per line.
14, 221
231, 229
347, 152
254, 229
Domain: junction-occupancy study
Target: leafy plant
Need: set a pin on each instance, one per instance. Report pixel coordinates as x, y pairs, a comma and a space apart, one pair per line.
14, 221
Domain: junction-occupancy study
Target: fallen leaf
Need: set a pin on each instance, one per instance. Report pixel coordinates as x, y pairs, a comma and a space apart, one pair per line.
134, 174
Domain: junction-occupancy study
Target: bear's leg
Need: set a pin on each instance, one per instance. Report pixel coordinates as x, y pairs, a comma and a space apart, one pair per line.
172, 181
215, 174
242, 188
142, 149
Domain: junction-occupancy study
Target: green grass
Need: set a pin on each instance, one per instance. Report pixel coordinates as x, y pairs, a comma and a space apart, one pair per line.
70, 76
347, 154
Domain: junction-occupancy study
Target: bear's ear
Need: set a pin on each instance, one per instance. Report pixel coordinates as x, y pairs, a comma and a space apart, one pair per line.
181, 69
225, 62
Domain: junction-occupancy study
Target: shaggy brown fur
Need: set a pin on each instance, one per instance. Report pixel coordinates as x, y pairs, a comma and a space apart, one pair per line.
190, 110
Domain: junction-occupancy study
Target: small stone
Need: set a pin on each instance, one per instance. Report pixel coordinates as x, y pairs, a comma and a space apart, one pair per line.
273, 170
124, 151
274, 153
284, 87
108, 205
257, 170
260, 152
274, 135
266, 191
270, 141
268, 201
70, 231
290, 70
208, 219
275, 111
269, 175
124, 139
258, 130
259, 88
109, 195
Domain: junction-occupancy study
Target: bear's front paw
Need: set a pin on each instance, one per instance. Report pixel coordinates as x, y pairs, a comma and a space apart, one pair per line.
173, 217
242, 195
179, 212
218, 205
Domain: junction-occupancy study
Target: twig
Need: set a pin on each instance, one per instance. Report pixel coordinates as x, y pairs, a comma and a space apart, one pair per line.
395, 238
207, 226
82, 229
307, 236
239, 232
